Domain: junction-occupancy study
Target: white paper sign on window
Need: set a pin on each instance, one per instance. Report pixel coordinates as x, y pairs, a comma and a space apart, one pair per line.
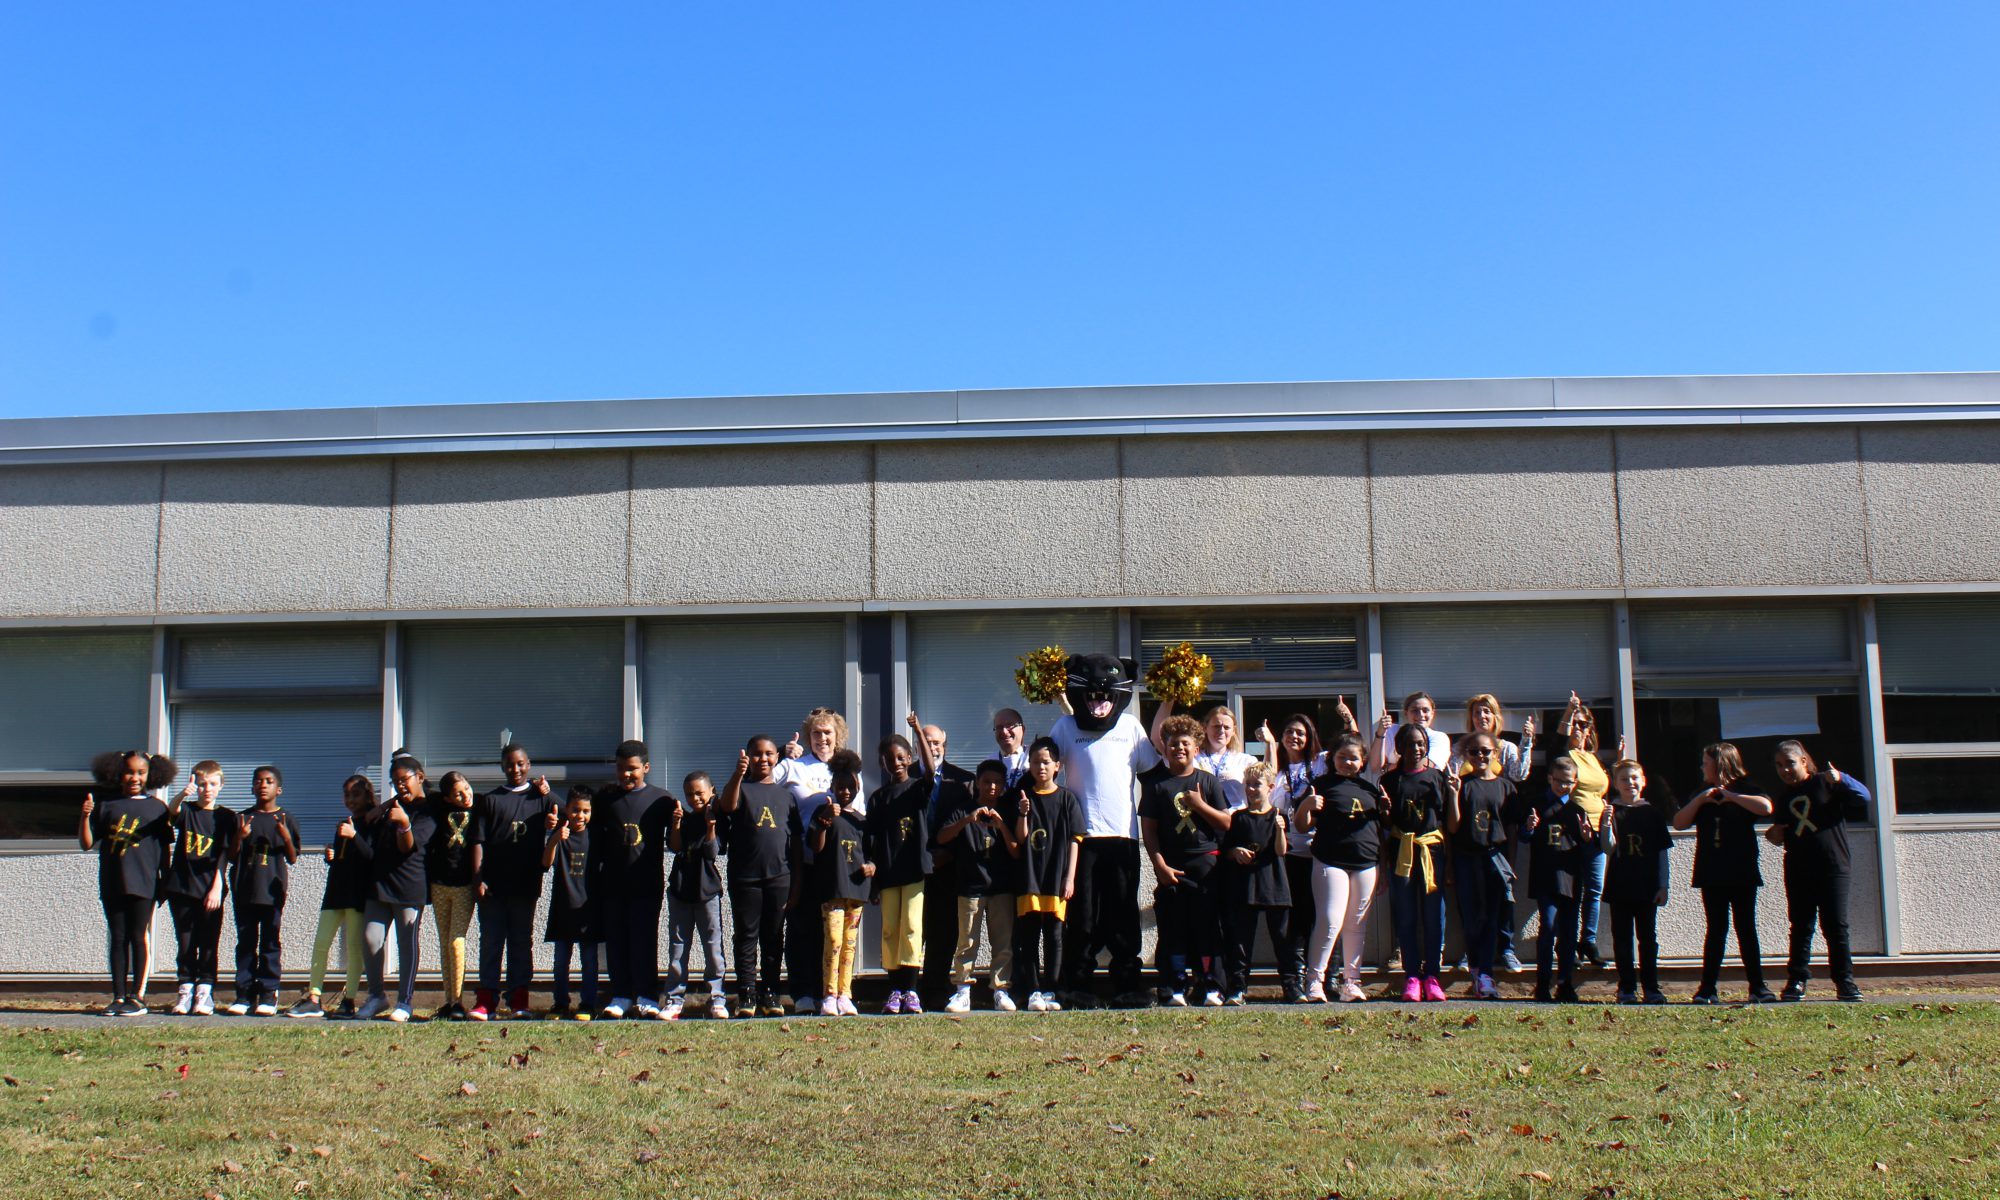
1769, 716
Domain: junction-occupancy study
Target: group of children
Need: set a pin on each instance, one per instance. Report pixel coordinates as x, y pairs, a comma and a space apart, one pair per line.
1234, 843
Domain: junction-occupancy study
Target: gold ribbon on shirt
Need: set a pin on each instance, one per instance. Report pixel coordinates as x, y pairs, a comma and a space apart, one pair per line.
1414, 848
1186, 824
1801, 806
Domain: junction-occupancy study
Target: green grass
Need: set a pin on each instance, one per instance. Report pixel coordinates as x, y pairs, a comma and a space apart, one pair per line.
1823, 1100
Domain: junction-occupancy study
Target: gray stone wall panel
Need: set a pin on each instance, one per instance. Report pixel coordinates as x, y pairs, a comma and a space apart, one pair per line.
1729, 506
751, 524
79, 540
1269, 514
1494, 511
300, 535
1946, 882
1933, 502
510, 531
1002, 519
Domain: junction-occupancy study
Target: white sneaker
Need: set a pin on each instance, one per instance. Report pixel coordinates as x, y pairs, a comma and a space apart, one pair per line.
1350, 992
805, 1006
615, 1011
1177, 1000
1236, 999
372, 1007
830, 1007
204, 1000
1316, 994
1002, 1002
400, 1014
671, 1010
1485, 989
718, 1008
646, 1008
1212, 1000
847, 1008
1037, 1002
183, 1000
961, 1000
238, 1008
265, 1008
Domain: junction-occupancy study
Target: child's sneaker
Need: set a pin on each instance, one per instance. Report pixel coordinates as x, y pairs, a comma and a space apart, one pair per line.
135, 1008
1628, 997
961, 1000
1486, 989
830, 1007
479, 1012
847, 1008
204, 1000
560, 1012
1212, 1000
718, 1008
1002, 1002
183, 1000
770, 1006
400, 1014
895, 1003
1413, 990
1510, 962
615, 1011
266, 1006
1037, 1002
912, 1005
1653, 996
371, 1008
1235, 1000
1351, 993
671, 1010
647, 1009
1052, 1004
583, 1014
239, 1007
1314, 994
1177, 1000
805, 1006
520, 1006
1433, 990
308, 1006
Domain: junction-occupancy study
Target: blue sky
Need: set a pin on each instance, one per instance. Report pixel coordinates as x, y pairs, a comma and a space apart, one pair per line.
266, 206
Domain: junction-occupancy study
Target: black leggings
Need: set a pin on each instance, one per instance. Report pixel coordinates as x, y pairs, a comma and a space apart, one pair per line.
1634, 926
758, 909
1812, 898
1720, 905
197, 934
130, 921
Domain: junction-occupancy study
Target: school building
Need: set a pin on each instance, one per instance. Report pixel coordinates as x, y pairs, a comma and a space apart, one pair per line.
1701, 558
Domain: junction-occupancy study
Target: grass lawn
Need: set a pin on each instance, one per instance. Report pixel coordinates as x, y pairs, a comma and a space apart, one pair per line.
1816, 1100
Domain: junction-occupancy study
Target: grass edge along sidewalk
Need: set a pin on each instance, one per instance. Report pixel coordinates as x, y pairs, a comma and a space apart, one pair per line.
1823, 1100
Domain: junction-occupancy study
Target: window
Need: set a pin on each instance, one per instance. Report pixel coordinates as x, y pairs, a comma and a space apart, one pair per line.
1312, 643
962, 669
1531, 656
307, 701
557, 689
1941, 701
1753, 675
710, 685
69, 697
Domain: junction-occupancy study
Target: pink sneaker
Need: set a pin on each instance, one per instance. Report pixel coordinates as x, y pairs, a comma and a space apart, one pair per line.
1433, 990
912, 1004
1413, 990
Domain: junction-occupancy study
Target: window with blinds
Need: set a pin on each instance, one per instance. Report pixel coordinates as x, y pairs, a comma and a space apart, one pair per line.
1529, 655
1294, 644
70, 696
1941, 701
1939, 645
306, 700
709, 685
556, 688
1803, 640
962, 668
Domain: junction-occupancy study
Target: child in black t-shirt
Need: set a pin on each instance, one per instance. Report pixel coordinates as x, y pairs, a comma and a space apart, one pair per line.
507, 865
766, 849
1251, 879
1482, 869
1814, 808
1182, 816
1635, 882
629, 878
899, 844
1342, 814
694, 896
845, 877
573, 919
1724, 816
131, 834
194, 884
982, 865
1563, 840
266, 844
1048, 825
450, 866
341, 908
1416, 795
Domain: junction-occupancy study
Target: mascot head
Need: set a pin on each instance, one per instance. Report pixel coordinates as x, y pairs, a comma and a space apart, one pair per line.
1099, 689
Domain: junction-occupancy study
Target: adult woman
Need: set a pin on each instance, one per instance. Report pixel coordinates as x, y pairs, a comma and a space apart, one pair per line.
1725, 866
1483, 714
1578, 733
1419, 710
807, 771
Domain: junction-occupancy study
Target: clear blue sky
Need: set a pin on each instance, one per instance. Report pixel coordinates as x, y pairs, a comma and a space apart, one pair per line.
306, 205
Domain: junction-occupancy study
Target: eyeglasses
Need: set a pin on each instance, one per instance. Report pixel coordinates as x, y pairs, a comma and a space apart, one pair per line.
1480, 752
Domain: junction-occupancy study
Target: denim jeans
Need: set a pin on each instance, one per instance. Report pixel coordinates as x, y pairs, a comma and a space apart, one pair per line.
1419, 923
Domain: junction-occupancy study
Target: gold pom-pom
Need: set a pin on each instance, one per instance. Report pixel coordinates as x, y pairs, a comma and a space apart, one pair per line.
1043, 674
1181, 675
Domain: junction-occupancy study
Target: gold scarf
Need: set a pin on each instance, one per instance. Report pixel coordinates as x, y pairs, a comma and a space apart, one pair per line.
1413, 848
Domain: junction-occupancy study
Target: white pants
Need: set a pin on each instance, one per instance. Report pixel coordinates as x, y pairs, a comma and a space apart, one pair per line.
1341, 897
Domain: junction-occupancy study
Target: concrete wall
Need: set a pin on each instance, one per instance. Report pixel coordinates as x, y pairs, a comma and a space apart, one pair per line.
1410, 512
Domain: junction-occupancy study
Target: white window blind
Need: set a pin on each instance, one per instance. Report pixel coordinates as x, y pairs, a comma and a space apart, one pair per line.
70, 696
1939, 645
316, 743
1743, 640
962, 669
1312, 643
710, 685
345, 659
558, 688
1529, 655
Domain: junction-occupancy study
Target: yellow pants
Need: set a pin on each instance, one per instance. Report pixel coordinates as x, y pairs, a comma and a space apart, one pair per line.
839, 945
998, 913
903, 926
347, 923
454, 909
